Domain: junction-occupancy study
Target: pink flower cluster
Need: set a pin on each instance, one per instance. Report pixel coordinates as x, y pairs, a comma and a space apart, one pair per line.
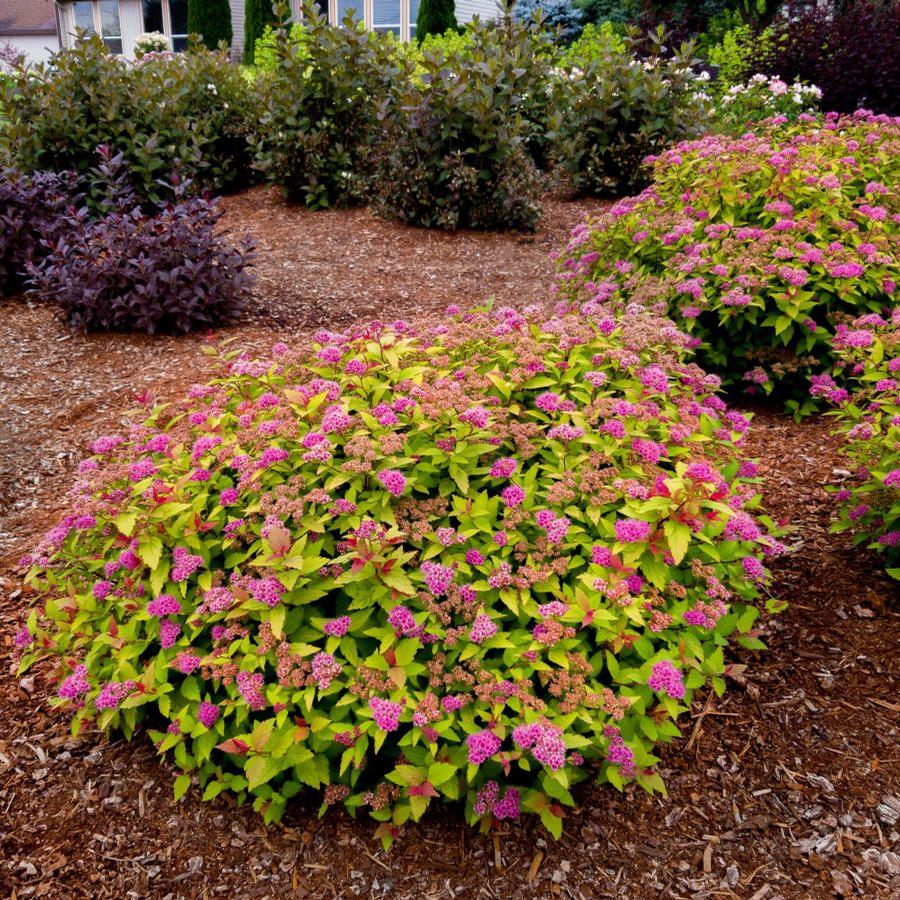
631, 531
666, 678
482, 746
250, 686
483, 628
75, 684
184, 564
112, 694
545, 742
438, 578
386, 713
487, 800
337, 627
394, 482
164, 605
207, 714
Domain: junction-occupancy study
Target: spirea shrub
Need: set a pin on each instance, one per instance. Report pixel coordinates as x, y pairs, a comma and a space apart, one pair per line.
868, 415
32, 215
617, 109
460, 139
168, 270
472, 563
319, 111
758, 245
187, 111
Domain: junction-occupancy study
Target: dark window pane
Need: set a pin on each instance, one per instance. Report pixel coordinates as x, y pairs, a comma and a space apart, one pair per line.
153, 17
179, 43
178, 13
114, 45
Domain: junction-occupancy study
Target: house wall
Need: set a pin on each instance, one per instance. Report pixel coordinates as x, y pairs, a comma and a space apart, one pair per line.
36, 47
237, 30
466, 10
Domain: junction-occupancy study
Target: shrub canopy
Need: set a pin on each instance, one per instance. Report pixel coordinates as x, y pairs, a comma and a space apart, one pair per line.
189, 112
868, 416
758, 245
398, 567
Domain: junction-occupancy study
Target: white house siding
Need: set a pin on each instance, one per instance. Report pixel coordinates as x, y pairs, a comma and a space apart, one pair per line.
237, 30
36, 48
466, 10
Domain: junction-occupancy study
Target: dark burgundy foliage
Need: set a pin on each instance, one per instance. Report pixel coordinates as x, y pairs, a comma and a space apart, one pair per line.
167, 270
852, 55
32, 212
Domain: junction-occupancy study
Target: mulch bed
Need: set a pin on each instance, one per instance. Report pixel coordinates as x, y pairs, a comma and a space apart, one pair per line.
787, 787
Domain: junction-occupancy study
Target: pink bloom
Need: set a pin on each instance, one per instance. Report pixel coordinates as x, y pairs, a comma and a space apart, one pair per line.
207, 714
386, 713
630, 531
163, 605
666, 678
482, 746
394, 482
512, 495
503, 468
337, 627
482, 628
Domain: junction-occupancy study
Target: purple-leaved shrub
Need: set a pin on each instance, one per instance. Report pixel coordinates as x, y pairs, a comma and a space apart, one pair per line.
758, 246
33, 209
868, 415
169, 270
473, 562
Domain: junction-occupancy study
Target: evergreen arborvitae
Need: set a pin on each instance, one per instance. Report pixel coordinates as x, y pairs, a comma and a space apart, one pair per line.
211, 19
435, 17
257, 14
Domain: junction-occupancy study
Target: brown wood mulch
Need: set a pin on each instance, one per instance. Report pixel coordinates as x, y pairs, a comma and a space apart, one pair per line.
787, 787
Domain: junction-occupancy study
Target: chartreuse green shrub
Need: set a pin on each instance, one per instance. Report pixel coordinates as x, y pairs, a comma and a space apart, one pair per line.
266, 57
739, 53
758, 245
318, 120
595, 41
868, 417
187, 111
618, 108
480, 563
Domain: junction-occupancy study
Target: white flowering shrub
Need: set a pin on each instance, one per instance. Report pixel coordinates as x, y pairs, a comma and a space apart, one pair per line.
764, 97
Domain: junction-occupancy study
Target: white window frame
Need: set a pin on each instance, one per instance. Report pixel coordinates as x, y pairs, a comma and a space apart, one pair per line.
98, 26
368, 16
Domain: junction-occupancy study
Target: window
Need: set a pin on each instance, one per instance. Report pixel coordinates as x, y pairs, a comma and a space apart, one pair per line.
99, 17
413, 15
342, 7
178, 15
386, 16
168, 17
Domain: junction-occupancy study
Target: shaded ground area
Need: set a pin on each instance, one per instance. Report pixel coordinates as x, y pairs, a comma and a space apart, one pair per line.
788, 787
338, 266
